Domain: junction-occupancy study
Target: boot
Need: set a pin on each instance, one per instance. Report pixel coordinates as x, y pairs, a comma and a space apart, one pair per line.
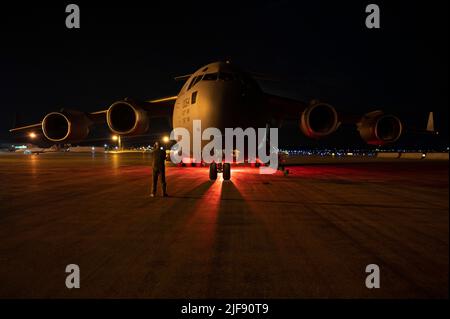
164, 190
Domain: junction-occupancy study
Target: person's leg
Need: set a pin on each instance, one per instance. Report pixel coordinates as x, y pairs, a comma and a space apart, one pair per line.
163, 182
155, 181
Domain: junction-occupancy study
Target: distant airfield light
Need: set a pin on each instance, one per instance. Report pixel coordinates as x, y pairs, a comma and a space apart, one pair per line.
32, 135
165, 139
350, 154
115, 137
423, 155
106, 145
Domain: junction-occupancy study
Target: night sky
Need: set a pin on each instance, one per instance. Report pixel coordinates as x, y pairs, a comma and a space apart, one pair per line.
317, 49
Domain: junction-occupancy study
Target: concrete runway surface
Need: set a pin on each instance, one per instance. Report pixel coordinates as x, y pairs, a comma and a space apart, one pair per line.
306, 235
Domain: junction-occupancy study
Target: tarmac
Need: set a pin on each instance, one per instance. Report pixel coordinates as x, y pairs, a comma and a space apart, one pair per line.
307, 234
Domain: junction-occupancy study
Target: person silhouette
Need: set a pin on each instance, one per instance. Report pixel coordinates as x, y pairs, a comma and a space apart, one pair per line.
158, 169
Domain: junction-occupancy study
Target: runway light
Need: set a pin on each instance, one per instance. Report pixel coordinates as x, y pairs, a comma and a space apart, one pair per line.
165, 139
423, 155
32, 135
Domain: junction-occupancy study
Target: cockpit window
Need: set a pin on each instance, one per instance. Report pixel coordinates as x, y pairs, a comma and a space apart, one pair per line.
191, 84
195, 81
247, 81
210, 77
225, 76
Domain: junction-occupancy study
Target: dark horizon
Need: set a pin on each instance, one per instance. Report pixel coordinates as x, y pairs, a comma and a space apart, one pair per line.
318, 50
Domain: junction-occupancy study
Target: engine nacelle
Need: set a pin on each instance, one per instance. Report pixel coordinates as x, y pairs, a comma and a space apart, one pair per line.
319, 120
65, 126
126, 118
377, 128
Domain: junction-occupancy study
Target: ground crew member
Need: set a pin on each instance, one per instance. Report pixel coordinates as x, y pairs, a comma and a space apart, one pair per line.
159, 169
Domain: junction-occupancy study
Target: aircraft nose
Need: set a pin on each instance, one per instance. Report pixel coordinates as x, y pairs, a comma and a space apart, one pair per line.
221, 108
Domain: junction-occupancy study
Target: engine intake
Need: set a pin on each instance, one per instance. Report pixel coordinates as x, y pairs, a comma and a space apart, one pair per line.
377, 128
126, 118
65, 126
319, 120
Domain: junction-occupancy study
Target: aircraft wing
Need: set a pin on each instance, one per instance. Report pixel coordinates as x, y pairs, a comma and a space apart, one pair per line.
26, 127
283, 108
128, 117
162, 107
318, 119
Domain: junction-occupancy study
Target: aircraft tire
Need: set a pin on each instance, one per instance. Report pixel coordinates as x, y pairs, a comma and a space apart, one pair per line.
226, 171
213, 171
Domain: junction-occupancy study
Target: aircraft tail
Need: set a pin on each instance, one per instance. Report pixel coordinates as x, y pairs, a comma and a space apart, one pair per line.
430, 123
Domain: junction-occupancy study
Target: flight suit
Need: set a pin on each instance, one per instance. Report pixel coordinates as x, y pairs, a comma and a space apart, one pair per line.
159, 170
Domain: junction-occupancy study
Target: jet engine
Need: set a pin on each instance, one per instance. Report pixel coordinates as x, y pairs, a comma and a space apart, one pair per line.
377, 128
65, 126
127, 118
319, 120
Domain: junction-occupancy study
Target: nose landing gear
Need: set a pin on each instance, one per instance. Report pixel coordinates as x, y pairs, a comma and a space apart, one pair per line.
215, 168
213, 171
226, 171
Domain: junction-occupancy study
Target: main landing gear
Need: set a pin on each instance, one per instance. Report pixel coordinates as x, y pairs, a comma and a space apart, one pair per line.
215, 168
